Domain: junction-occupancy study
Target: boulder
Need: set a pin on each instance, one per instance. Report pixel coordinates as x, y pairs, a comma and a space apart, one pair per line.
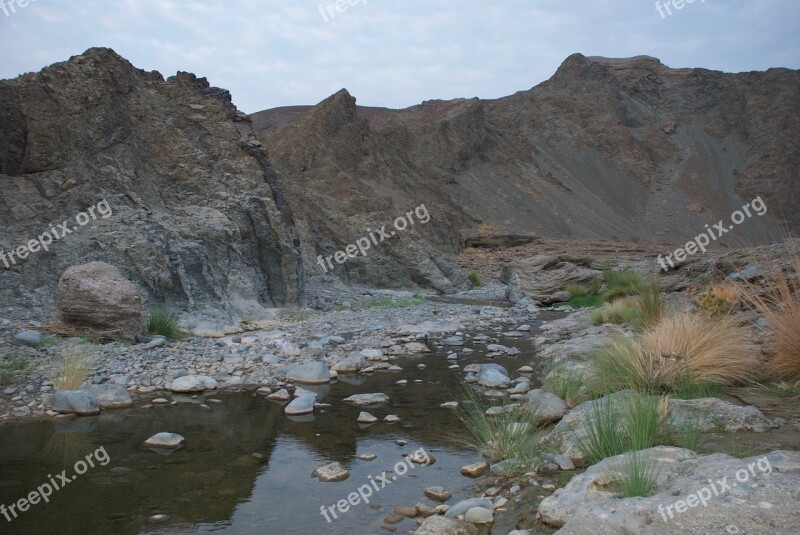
549, 407
301, 405
97, 296
310, 372
493, 378
29, 338
80, 402
352, 363
111, 396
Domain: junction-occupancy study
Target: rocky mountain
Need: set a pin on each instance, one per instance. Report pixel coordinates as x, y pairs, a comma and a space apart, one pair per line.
197, 218
623, 149
204, 218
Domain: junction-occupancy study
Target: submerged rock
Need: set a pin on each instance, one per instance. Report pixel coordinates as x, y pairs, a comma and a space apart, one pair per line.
301, 405
367, 400
331, 472
165, 440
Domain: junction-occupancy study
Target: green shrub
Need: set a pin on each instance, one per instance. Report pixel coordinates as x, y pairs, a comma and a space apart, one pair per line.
637, 475
566, 383
621, 311
474, 278
577, 289
162, 321
620, 283
605, 436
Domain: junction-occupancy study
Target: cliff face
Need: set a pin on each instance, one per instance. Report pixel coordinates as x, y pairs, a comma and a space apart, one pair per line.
616, 149
197, 218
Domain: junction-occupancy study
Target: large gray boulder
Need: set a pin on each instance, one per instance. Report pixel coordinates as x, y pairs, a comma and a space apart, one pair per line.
97, 296
713, 493
352, 363
80, 402
549, 407
111, 396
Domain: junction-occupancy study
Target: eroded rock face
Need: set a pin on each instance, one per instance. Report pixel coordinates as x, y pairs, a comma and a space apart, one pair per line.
543, 278
197, 217
98, 296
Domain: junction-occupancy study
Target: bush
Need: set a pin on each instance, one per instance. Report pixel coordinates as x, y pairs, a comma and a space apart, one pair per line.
162, 321
508, 435
74, 368
474, 278
637, 475
779, 303
679, 349
621, 283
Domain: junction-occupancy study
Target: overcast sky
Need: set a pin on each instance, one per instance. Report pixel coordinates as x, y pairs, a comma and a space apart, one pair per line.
394, 53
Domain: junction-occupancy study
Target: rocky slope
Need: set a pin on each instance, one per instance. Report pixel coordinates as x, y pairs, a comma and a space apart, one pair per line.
622, 149
197, 217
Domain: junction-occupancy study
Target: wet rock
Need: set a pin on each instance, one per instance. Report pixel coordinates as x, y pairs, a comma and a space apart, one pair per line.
421, 457
367, 400
158, 519
80, 402
463, 506
391, 419
301, 405
193, 383
440, 525
449, 405
437, 493
425, 510
280, 395
111, 396
367, 457
416, 347
409, 512
366, 418
331, 472
29, 338
525, 369
475, 469
165, 441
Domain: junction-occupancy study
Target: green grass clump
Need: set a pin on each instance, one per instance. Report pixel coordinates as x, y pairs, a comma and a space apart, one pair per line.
578, 290
624, 282
617, 283
474, 278
508, 435
605, 437
621, 311
637, 475
685, 388
566, 383
651, 308
162, 321
9, 370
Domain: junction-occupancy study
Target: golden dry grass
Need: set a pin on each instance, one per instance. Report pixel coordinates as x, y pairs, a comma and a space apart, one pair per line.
74, 368
679, 348
779, 302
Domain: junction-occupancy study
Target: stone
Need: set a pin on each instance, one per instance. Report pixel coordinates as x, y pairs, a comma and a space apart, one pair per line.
479, 515
301, 405
366, 418
549, 407
311, 372
373, 354
416, 347
449, 405
20, 412
97, 296
463, 506
437, 493
409, 512
421, 457
391, 418
165, 441
111, 396
440, 525
80, 402
367, 400
29, 338
525, 369
280, 395
715, 415
352, 363
475, 469
492, 378
331, 473
193, 383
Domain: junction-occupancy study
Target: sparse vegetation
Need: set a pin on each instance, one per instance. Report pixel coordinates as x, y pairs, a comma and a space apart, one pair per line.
651, 307
621, 311
637, 475
508, 435
566, 383
779, 303
9, 369
393, 302
680, 349
474, 278
617, 283
72, 371
578, 290
162, 321
718, 300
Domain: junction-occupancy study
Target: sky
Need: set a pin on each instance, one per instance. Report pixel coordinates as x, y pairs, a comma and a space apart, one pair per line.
396, 53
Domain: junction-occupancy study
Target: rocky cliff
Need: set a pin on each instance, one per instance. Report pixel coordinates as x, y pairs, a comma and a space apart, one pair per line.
197, 218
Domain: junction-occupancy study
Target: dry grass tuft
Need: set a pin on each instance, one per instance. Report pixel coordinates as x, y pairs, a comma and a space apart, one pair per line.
779, 302
74, 368
680, 348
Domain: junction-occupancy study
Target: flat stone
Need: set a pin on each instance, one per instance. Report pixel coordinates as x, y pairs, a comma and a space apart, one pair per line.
391, 418
331, 472
475, 469
165, 440
29, 338
301, 405
437, 493
366, 418
193, 383
367, 400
